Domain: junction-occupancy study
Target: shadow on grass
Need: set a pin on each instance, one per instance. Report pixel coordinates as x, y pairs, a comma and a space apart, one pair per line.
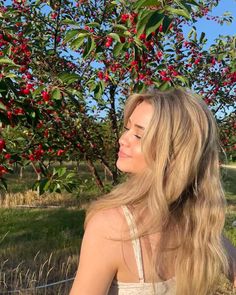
41, 230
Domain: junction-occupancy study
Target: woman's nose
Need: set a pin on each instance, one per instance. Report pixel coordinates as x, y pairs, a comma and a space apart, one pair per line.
124, 139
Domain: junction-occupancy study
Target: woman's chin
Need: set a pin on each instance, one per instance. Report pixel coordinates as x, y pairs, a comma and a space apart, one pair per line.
121, 166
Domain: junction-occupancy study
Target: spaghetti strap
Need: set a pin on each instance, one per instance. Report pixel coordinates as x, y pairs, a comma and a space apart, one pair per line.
135, 242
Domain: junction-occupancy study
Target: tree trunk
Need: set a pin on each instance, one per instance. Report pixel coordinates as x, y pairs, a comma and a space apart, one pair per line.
94, 172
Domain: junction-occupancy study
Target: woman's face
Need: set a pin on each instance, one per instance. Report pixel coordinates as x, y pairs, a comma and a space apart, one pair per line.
130, 156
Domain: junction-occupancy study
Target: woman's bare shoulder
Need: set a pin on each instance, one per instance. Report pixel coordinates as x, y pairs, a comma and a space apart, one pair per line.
110, 222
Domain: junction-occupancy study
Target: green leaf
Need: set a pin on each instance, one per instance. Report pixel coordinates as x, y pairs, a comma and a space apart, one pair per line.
61, 171
99, 90
32, 115
154, 22
38, 91
193, 34
183, 79
7, 61
138, 42
56, 93
201, 40
90, 45
70, 175
184, 5
114, 36
127, 33
166, 23
142, 21
193, 2
75, 44
93, 25
8, 68
84, 34
157, 83
70, 35
2, 106
146, 3
180, 12
70, 22
46, 185
10, 75
120, 27
117, 49
110, 7
164, 86
68, 78
91, 84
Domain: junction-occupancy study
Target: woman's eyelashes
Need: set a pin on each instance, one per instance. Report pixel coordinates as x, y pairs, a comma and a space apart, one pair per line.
137, 136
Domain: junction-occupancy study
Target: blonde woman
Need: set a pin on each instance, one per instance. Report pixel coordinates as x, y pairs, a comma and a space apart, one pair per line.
159, 232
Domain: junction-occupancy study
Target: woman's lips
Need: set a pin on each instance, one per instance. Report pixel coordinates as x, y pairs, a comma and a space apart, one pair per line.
122, 155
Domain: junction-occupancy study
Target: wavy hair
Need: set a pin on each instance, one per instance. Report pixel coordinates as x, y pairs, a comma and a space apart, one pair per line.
181, 190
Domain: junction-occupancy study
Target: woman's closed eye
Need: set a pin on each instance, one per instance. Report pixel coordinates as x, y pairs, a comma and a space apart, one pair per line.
137, 136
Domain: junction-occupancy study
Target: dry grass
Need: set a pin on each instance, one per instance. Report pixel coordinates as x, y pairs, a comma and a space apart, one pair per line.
31, 198
32, 280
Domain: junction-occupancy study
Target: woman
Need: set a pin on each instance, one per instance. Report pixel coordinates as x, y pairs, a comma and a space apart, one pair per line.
160, 231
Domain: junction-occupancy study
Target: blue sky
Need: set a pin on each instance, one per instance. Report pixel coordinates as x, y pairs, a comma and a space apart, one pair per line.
211, 28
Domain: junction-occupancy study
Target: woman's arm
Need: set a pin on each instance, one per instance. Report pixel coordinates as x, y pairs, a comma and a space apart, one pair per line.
231, 252
98, 258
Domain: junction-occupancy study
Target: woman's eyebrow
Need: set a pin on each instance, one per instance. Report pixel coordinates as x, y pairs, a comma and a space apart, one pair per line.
138, 126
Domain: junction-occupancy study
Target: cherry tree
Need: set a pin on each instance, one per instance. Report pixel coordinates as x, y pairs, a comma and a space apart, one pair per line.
66, 68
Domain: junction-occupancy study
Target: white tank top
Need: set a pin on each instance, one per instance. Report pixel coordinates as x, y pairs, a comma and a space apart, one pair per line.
118, 288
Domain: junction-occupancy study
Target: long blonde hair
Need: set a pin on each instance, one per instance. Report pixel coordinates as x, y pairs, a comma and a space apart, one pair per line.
181, 189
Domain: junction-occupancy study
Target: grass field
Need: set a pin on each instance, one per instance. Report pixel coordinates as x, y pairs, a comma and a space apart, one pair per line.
42, 243
41, 246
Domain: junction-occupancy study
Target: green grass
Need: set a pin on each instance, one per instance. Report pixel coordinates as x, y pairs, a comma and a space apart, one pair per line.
38, 229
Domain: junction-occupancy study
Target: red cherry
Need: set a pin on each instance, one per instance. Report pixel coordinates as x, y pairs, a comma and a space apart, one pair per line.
54, 15
106, 78
100, 75
2, 144
25, 91
159, 54
19, 111
207, 101
9, 115
109, 39
29, 76
31, 157
141, 76
60, 152
197, 61
45, 96
108, 44
124, 17
142, 36
7, 156
163, 73
2, 170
